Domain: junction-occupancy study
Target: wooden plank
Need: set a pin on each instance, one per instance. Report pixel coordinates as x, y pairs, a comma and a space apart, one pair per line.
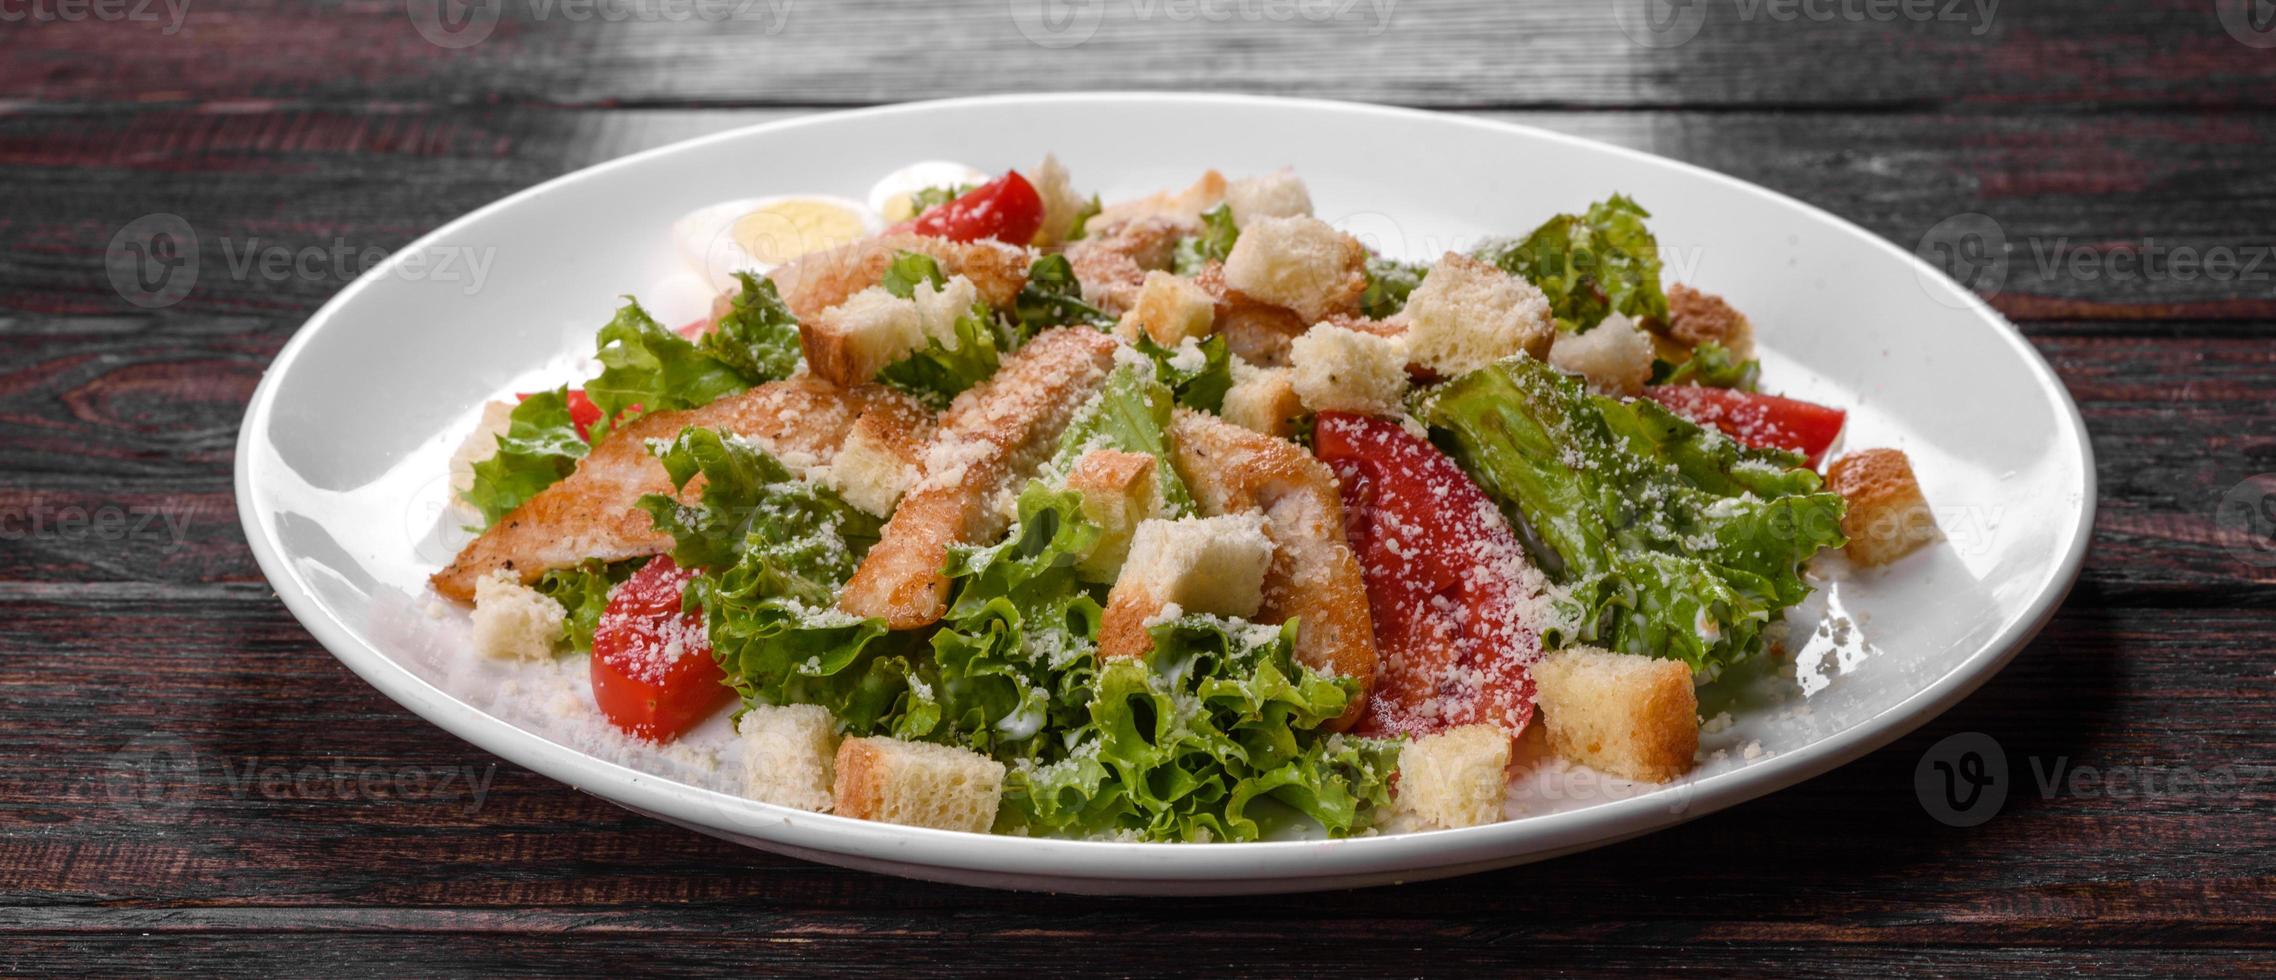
2081, 203
1452, 53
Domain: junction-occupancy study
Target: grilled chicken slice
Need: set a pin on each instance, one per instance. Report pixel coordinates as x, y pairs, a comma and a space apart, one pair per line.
991, 438
1112, 261
817, 282
1314, 576
594, 513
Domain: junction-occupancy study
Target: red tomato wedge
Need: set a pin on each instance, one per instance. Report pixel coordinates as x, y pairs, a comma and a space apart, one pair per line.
1445, 583
653, 673
1006, 209
1761, 421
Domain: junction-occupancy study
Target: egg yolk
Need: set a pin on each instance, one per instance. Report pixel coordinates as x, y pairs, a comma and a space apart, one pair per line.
785, 230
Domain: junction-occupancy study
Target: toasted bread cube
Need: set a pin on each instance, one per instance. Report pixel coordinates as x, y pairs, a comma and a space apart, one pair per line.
1468, 314
1629, 715
789, 755
1338, 369
1280, 194
513, 621
1888, 518
1061, 204
1695, 318
1263, 400
1169, 309
481, 444
938, 309
1120, 490
1211, 565
917, 784
872, 469
1456, 778
1615, 358
1299, 263
850, 342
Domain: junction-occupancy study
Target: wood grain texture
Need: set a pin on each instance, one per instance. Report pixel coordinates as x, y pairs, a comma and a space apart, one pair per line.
192, 784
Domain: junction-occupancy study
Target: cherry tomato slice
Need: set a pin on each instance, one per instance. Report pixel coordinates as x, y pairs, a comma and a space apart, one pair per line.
653, 673
1445, 583
1761, 421
1006, 209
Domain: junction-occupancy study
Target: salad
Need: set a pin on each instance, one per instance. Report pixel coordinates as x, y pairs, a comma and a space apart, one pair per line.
986, 505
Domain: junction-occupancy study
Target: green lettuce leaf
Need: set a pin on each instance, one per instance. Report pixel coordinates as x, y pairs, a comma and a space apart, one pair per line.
539, 449
646, 366
758, 337
1590, 265
1671, 539
1389, 283
938, 371
1710, 365
1053, 298
1199, 385
907, 270
928, 198
583, 590
1218, 235
1180, 744
1082, 227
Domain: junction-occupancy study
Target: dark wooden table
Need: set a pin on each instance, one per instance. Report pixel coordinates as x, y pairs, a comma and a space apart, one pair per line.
187, 779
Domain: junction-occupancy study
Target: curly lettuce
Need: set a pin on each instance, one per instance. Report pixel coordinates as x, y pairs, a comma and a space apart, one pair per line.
1218, 235
1671, 539
1052, 297
1590, 265
1199, 375
758, 336
647, 368
583, 590
942, 368
1710, 365
539, 448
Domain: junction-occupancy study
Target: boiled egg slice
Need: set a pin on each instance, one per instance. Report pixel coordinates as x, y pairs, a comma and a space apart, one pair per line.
758, 234
893, 196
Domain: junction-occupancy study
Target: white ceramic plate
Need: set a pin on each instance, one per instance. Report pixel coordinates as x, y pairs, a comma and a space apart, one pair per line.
341, 463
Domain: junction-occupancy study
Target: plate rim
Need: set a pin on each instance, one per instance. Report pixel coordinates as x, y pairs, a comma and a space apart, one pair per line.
1413, 855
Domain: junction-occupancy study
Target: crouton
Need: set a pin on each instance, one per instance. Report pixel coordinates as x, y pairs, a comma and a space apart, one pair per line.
1061, 204
1299, 263
850, 342
480, 444
1615, 358
1263, 400
1888, 518
1342, 370
875, 465
1468, 314
1629, 715
513, 621
1119, 490
939, 308
1695, 318
1456, 778
1279, 194
917, 784
789, 754
1169, 309
1213, 565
